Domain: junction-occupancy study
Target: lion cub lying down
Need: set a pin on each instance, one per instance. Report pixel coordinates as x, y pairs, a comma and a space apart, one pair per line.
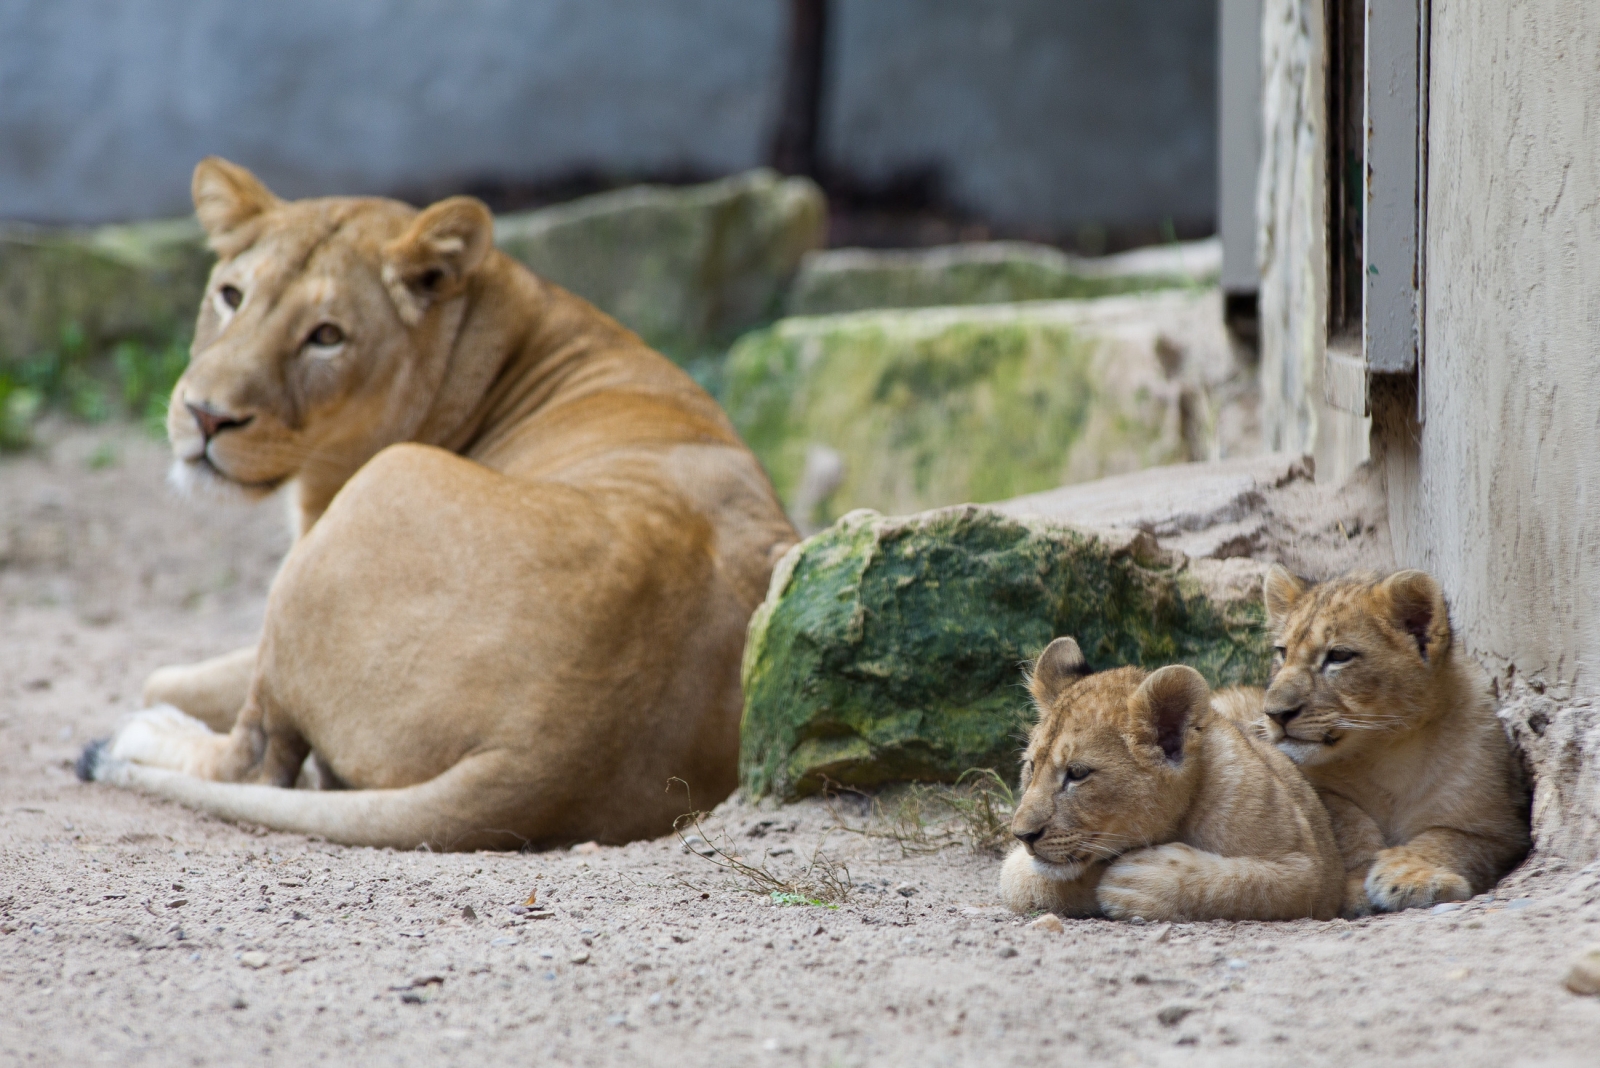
1140, 800
1398, 736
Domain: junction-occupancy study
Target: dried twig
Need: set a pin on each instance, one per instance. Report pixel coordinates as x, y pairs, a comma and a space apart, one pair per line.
824, 881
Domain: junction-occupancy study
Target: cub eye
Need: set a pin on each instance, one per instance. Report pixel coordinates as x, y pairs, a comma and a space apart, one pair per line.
232, 296
326, 336
1280, 651
1339, 656
1078, 773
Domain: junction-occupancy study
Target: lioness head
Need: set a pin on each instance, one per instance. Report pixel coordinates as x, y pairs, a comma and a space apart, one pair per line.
324, 331
1355, 658
1107, 768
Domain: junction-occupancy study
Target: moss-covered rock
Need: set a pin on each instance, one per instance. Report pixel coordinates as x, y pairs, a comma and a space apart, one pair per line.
687, 268
944, 406
892, 649
90, 289
996, 272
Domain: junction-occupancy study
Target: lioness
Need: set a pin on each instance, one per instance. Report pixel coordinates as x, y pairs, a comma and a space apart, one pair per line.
1398, 735
529, 546
1140, 799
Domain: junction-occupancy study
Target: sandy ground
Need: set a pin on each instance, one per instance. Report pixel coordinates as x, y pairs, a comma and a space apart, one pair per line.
135, 932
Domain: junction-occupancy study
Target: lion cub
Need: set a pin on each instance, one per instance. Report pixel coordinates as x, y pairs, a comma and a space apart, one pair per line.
1139, 799
1398, 735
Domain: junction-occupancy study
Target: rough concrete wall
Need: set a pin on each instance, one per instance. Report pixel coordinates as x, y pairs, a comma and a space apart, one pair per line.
1498, 491
1293, 243
109, 103
962, 87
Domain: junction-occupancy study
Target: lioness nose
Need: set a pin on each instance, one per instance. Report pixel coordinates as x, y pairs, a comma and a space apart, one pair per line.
212, 422
1028, 837
1282, 716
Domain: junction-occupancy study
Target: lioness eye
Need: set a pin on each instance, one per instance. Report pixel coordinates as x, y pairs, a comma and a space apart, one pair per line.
326, 336
232, 296
1078, 773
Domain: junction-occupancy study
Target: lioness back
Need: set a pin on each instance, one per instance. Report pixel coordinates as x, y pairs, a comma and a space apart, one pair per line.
1138, 799
1395, 729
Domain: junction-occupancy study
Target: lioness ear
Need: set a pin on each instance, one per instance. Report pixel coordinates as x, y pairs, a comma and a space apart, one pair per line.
1416, 606
1059, 666
432, 259
227, 199
1170, 700
1280, 591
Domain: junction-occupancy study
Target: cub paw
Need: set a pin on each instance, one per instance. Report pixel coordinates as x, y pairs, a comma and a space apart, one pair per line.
1400, 881
1356, 903
1148, 882
1024, 888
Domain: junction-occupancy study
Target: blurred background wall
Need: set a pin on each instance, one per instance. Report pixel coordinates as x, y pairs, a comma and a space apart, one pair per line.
1041, 117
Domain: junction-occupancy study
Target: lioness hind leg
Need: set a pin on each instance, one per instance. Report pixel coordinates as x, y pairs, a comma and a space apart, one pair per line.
1177, 882
167, 738
211, 691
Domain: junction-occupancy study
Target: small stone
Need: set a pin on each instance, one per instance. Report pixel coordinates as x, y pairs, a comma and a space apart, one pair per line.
1238, 965
468, 912
240, 1003
580, 957
1584, 976
253, 959
693, 843
1443, 907
1008, 951
1137, 921
1163, 933
586, 847
1173, 1015
1457, 974
1049, 922
905, 889
178, 903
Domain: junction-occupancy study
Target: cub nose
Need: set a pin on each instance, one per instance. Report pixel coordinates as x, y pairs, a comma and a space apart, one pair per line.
211, 421
1028, 837
1282, 716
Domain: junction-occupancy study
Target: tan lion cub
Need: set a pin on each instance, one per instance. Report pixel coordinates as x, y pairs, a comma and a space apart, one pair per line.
1140, 799
1398, 735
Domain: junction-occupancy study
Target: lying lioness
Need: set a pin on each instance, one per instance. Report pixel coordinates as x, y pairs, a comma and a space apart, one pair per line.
1139, 799
528, 545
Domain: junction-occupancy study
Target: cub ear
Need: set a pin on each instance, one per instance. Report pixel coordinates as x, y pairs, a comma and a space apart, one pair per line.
1170, 701
1059, 666
227, 199
1281, 591
1417, 606
433, 258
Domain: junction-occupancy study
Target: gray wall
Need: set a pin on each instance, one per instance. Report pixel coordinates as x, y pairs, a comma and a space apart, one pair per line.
1041, 113
105, 105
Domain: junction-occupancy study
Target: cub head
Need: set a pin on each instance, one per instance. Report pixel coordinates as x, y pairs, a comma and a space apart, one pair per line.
324, 332
1110, 764
1356, 658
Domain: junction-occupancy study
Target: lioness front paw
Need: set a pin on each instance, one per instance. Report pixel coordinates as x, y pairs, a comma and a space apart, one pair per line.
160, 737
1398, 880
1148, 882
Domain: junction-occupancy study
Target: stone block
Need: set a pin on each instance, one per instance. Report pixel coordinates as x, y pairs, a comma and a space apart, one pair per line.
932, 407
892, 649
991, 272
688, 268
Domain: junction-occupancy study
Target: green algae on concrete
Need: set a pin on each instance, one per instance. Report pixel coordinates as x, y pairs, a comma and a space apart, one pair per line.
687, 268
995, 272
940, 406
892, 649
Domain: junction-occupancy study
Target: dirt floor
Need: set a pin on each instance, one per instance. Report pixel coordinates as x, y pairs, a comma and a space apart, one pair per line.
134, 932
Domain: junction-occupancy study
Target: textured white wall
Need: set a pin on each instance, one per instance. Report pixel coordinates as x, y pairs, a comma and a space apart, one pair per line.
1501, 496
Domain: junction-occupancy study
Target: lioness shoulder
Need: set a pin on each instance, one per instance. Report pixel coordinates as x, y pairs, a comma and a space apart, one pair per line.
1140, 799
1395, 729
